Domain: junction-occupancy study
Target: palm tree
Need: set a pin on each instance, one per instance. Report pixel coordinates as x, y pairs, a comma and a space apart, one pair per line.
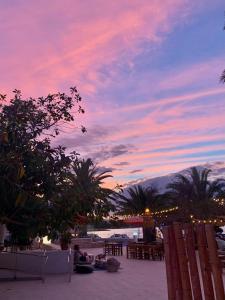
137, 200
222, 77
195, 194
92, 199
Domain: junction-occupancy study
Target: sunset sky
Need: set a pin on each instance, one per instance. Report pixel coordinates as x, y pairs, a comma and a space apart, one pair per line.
148, 72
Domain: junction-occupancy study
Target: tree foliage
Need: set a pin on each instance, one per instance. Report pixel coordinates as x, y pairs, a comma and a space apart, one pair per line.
32, 171
82, 198
43, 189
195, 194
87, 183
136, 199
222, 77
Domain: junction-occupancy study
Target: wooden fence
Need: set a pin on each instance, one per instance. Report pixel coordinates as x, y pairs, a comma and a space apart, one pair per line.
193, 268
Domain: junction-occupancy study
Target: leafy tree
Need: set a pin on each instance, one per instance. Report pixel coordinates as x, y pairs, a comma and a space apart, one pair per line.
194, 194
32, 172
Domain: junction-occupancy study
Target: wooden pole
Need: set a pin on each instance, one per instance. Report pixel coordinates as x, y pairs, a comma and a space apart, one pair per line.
183, 262
215, 262
194, 274
172, 266
175, 266
168, 261
204, 262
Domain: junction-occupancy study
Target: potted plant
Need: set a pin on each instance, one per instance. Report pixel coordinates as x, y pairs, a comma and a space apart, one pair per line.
65, 240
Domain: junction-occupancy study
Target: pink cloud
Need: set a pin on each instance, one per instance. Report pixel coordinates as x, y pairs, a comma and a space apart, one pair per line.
162, 156
194, 74
49, 47
50, 44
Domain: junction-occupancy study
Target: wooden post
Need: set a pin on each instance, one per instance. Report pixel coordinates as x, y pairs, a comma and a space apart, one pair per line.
215, 262
175, 266
183, 262
168, 261
204, 262
2, 235
194, 274
172, 265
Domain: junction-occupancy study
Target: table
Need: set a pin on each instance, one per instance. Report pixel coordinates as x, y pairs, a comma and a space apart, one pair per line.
141, 251
113, 249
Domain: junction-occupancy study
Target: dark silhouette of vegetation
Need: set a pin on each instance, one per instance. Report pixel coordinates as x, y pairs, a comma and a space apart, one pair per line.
193, 193
222, 77
85, 199
45, 190
136, 199
196, 195
35, 177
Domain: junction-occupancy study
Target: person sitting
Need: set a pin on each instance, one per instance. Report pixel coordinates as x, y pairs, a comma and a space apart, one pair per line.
100, 262
81, 262
79, 257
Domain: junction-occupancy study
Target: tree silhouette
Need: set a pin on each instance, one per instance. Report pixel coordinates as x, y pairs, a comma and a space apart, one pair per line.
32, 172
195, 194
136, 199
90, 197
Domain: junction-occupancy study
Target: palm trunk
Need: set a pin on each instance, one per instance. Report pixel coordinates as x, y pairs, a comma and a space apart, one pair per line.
2, 235
149, 233
83, 230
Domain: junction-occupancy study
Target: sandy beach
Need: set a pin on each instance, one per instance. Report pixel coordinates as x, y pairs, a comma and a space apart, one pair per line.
137, 279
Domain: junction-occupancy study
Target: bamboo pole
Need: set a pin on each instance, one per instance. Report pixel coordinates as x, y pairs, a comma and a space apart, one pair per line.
204, 262
215, 263
194, 273
168, 261
183, 262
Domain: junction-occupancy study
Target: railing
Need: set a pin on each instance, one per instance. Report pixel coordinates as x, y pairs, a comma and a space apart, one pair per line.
39, 264
28, 263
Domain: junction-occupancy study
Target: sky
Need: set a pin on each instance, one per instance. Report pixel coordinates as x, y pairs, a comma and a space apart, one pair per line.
147, 70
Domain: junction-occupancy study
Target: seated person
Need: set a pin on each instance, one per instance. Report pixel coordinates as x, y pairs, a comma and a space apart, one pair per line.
100, 262
79, 257
81, 262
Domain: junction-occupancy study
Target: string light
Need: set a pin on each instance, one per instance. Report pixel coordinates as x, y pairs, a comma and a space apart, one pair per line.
165, 210
215, 221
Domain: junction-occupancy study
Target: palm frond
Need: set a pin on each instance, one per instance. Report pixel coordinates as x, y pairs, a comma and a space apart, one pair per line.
222, 77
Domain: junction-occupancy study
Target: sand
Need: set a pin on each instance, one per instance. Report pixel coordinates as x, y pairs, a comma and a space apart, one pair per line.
137, 279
